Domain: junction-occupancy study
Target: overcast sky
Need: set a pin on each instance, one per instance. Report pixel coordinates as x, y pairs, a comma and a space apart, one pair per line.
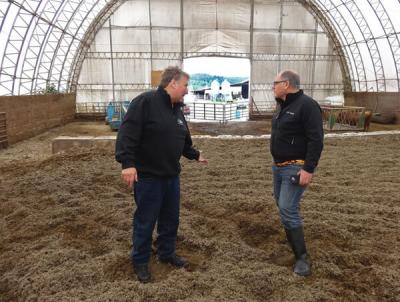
228, 67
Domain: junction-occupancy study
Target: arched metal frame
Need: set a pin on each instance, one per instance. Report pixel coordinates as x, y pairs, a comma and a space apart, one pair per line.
45, 42
392, 37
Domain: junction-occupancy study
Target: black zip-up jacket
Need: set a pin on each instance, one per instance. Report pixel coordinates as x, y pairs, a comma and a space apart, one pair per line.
297, 131
153, 136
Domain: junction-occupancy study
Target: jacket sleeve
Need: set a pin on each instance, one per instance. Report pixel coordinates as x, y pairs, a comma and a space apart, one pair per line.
130, 133
188, 151
312, 118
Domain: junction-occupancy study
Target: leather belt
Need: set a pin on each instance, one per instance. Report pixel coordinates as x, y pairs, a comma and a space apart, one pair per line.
290, 162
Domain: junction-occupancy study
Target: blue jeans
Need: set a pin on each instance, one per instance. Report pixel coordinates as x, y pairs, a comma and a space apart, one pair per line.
157, 200
287, 195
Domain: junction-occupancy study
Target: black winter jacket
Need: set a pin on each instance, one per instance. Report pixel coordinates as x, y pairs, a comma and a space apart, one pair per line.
297, 131
153, 136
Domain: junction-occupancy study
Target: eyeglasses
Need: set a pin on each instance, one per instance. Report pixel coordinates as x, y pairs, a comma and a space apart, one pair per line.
277, 82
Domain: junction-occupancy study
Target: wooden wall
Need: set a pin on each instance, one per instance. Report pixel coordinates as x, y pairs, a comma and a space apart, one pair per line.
31, 115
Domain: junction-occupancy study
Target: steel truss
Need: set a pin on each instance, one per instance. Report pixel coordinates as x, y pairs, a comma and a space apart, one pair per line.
45, 42
345, 34
314, 86
43, 39
334, 10
368, 37
178, 56
390, 33
332, 34
88, 38
119, 86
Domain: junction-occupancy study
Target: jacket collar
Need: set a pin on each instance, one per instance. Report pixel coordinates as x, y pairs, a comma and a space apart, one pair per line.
290, 97
167, 99
164, 95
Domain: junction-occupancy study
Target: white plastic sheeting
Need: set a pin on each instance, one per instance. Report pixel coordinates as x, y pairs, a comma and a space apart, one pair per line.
143, 40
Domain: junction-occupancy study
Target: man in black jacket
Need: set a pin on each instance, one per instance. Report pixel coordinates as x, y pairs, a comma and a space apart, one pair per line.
151, 140
296, 146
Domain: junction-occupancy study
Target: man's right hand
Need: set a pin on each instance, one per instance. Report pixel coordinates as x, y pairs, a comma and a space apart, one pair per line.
305, 178
129, 175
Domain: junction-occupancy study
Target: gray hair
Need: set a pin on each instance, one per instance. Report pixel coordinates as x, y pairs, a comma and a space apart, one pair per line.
291, 76
172, 73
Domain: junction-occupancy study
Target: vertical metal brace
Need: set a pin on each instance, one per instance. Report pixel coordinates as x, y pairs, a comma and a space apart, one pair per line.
112, 59
249, 93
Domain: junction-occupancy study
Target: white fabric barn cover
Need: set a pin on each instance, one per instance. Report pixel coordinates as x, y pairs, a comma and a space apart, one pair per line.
107, 49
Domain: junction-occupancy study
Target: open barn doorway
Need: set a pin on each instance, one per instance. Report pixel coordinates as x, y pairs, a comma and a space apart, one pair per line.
218, 89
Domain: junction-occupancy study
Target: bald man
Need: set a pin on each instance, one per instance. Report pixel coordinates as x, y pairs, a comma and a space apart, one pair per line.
296, 145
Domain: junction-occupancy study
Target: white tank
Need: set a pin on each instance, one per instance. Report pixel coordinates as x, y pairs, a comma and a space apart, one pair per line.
215, 86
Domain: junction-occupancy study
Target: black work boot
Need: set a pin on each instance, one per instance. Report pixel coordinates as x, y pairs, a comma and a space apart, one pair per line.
142, 272
175, 260
303, 261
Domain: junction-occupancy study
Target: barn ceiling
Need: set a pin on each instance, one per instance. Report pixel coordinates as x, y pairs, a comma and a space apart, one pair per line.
45, 42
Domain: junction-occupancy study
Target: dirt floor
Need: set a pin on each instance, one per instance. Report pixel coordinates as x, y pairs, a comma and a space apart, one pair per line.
258, 128
65, 224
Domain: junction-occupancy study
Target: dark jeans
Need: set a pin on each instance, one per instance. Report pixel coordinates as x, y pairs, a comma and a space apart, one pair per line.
157, 200
288, 195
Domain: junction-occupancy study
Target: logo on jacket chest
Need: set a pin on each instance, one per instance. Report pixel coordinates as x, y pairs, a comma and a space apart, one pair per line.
282, 114
179, 122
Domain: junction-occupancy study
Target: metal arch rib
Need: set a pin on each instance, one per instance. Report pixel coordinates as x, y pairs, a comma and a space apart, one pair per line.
358, 62
70, 67
4, 15
90, 34
326, 24
61, 40
373, 49
43, 51
8, 43
337, 17
74, 36
352, 53
22, 45
76, 32
388, 28
50, 24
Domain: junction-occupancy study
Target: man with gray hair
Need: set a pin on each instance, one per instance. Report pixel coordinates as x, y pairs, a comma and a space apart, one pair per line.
296, 145
152, 138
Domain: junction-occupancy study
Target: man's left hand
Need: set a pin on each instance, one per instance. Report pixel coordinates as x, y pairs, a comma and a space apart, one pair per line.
202, 159
305, 178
